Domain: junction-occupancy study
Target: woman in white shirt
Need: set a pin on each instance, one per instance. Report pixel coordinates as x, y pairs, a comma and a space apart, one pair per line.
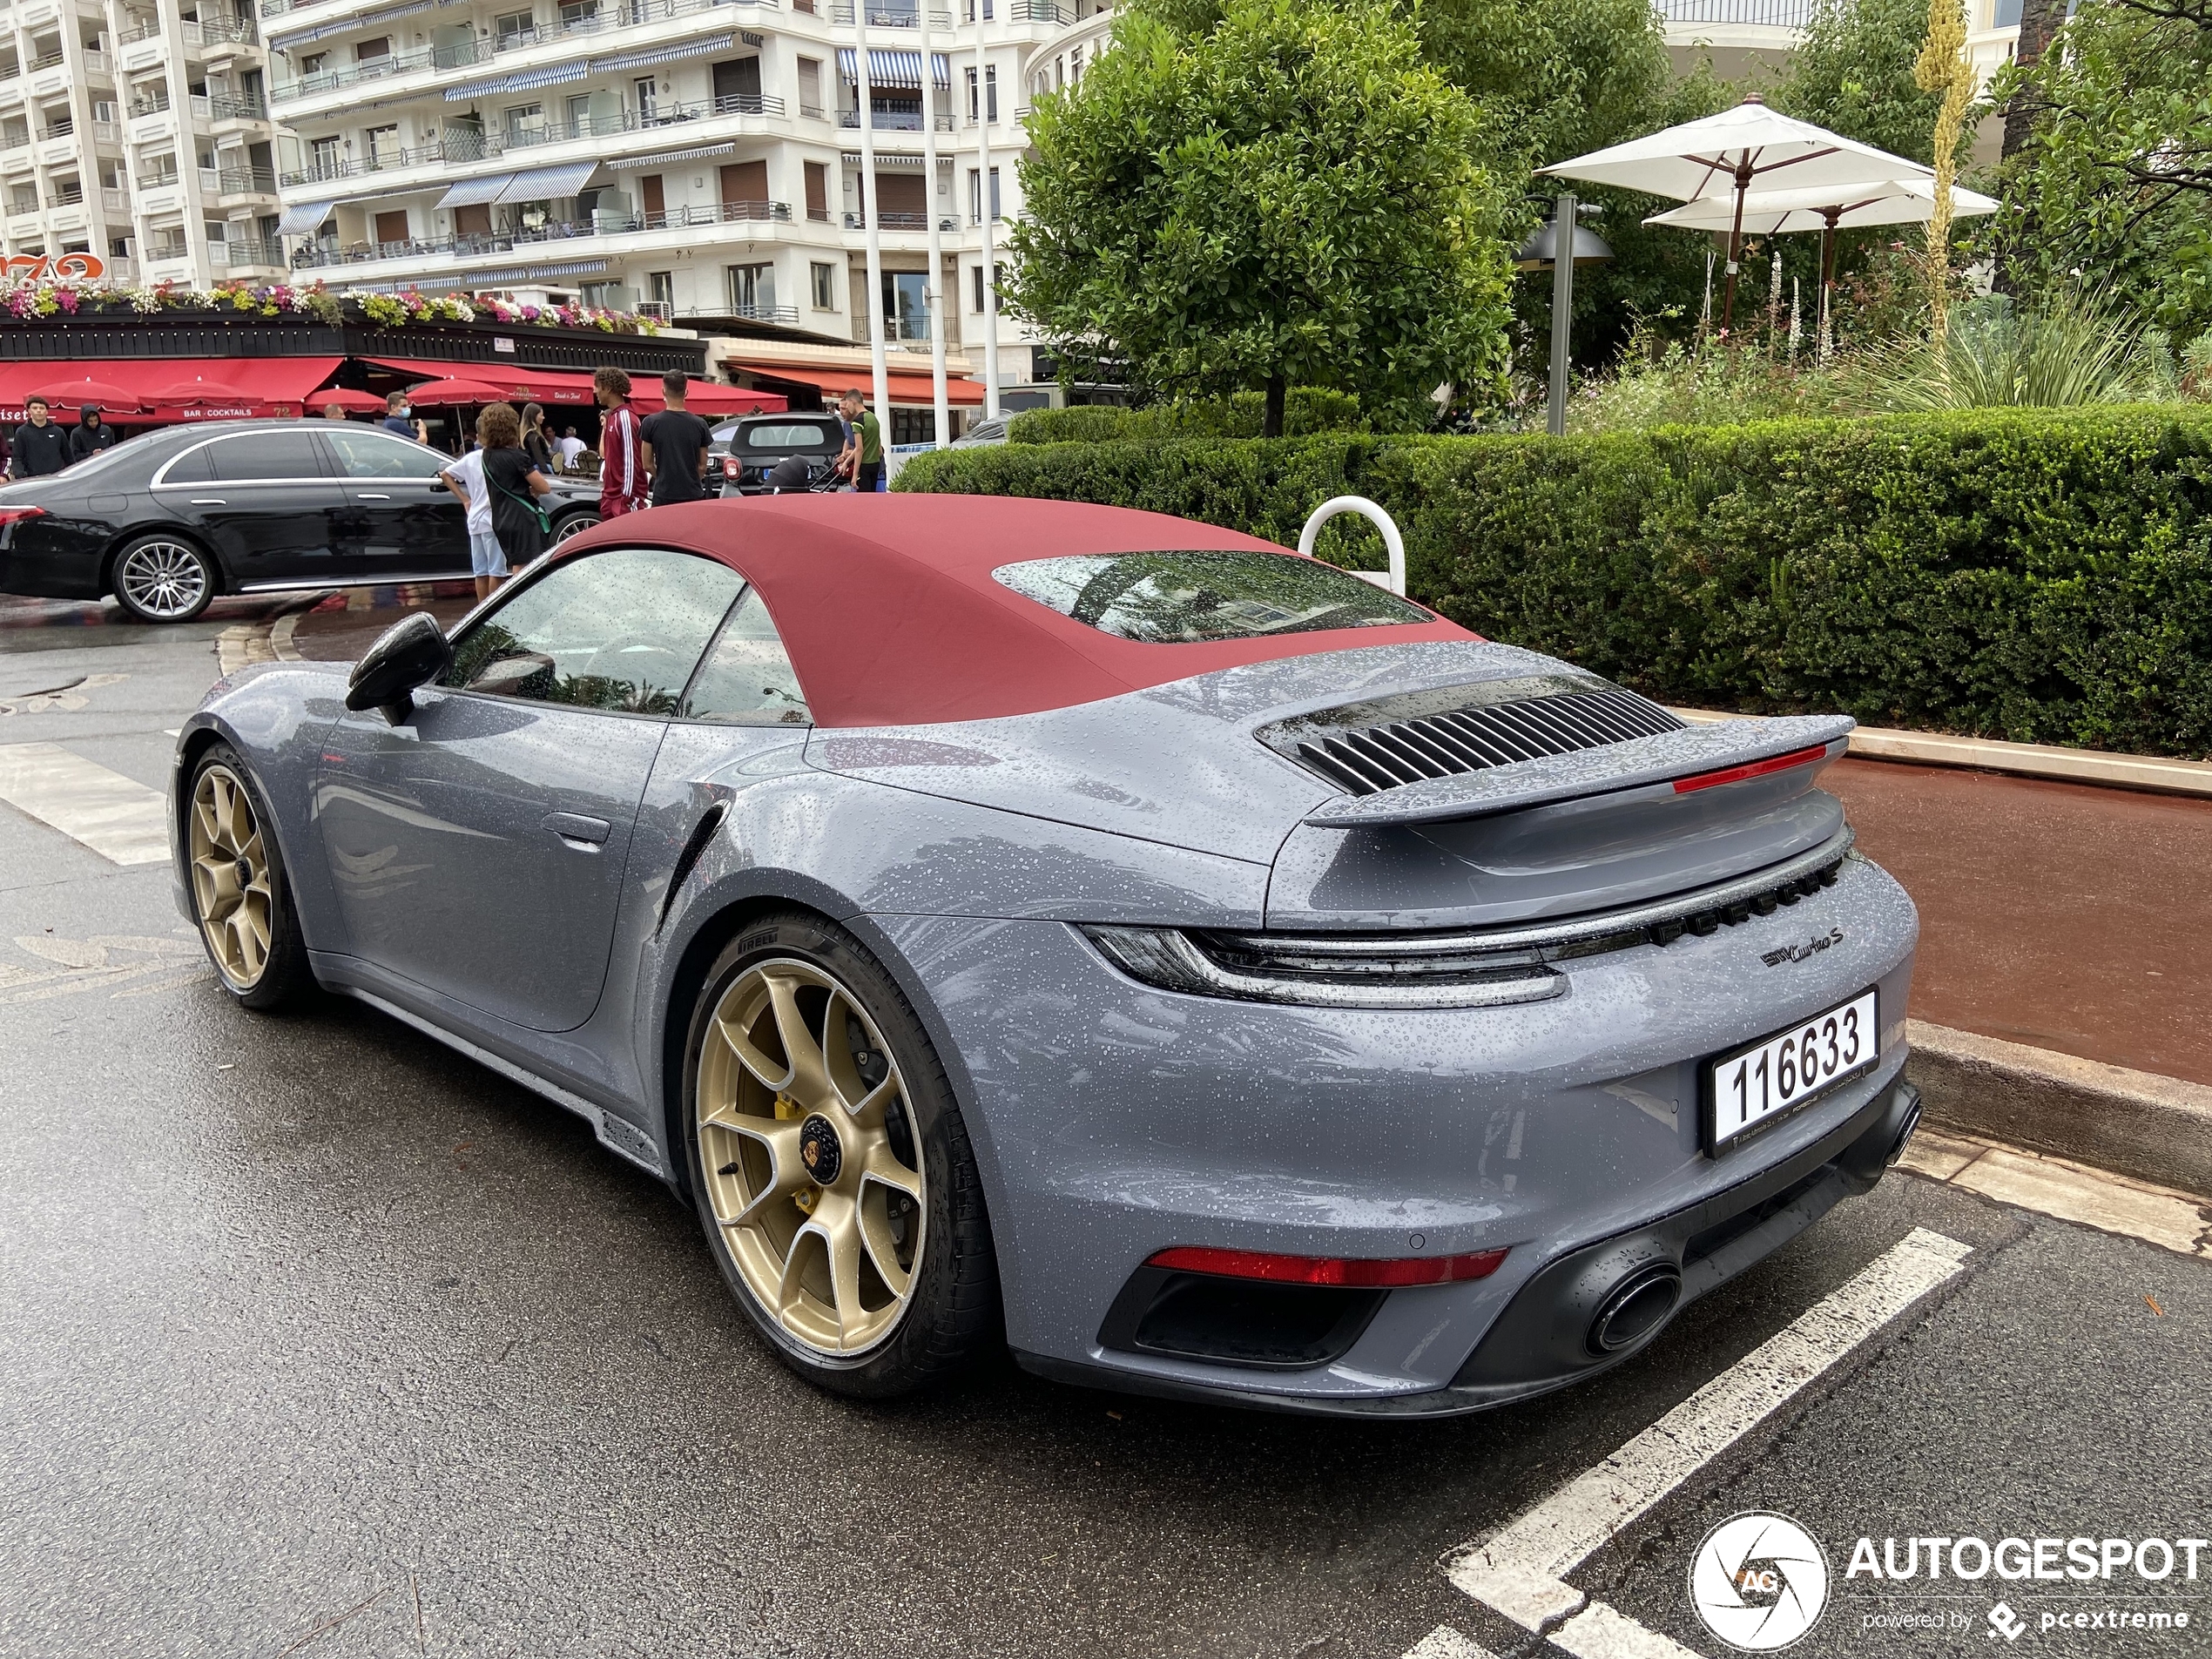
465, 478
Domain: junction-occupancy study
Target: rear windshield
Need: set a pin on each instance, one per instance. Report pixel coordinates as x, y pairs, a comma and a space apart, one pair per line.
787, 436
1182, 598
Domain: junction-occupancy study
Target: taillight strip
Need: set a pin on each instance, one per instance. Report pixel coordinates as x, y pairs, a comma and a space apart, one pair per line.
1752, 769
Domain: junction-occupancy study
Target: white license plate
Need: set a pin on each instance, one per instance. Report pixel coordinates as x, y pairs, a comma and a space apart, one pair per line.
1755, 1085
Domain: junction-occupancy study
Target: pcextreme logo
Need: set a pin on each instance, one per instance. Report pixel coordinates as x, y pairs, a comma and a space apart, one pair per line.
1759, 1581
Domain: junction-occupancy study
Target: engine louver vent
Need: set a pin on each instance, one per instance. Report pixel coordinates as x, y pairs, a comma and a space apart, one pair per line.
1369, 759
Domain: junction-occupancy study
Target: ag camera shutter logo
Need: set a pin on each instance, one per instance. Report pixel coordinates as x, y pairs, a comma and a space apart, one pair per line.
1759, 1581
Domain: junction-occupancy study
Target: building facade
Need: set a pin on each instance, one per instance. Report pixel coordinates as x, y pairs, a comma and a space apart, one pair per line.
138, 131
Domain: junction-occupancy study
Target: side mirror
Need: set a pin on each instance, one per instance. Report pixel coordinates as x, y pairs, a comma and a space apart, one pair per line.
413, 652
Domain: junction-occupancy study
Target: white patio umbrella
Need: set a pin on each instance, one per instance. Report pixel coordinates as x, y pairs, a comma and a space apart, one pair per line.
1722, 155
1907, 201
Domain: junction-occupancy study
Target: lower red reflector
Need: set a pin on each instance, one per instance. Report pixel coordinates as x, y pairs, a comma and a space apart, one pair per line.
1352, 1272
1753, 769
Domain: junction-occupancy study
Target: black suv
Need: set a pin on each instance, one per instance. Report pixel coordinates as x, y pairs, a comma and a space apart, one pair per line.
747, 450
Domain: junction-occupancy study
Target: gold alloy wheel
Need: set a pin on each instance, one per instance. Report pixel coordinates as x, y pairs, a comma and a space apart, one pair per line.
230, 877
812, 1162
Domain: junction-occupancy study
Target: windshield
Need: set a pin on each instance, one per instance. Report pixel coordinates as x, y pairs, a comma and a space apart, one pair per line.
1182, 598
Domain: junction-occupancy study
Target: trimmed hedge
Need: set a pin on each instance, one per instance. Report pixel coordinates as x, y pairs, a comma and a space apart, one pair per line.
1306, 410
2042, 575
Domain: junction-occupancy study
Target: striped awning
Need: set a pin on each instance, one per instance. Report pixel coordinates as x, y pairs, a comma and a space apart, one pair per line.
891, 161
285, 40
529, 81
664, 55
547, 184
475, 193
539, 273
670, 158
890, 67
303, 218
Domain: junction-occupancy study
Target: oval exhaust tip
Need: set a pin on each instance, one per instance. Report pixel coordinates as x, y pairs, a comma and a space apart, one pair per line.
1638, 1305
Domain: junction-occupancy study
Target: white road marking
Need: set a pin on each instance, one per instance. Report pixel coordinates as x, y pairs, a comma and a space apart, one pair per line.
118, 817
2050, 1186
1445, 1643
1520, 1571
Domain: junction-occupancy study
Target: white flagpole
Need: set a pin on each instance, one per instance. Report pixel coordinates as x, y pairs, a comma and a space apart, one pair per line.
934, 293
871, 215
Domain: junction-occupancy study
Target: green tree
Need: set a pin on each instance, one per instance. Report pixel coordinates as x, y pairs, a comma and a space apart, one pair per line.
1852, 73
1289, 198
2113, 191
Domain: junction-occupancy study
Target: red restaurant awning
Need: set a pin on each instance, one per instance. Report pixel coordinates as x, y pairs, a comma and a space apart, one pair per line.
570, 387
238, 387
915, 390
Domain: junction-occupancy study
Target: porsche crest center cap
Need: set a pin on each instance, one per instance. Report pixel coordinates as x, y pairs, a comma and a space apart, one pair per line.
819, 1149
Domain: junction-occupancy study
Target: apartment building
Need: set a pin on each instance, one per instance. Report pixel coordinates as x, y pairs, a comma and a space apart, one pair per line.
698, 159
138, 131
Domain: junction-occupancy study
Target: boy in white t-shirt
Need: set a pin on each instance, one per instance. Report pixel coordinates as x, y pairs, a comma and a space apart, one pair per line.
465, 478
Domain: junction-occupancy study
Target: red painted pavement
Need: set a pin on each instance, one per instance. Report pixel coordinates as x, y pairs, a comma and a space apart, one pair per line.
2062, 915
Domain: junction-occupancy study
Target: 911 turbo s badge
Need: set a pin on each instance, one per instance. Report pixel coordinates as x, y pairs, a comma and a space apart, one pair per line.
1798, 953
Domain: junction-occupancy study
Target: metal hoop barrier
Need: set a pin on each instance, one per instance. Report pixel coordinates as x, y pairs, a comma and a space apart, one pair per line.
1394, 580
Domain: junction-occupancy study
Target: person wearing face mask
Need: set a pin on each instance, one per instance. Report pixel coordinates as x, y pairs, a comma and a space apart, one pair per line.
397, 419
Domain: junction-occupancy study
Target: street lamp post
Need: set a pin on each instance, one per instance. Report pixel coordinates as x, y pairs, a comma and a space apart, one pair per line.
933, 294
870, 217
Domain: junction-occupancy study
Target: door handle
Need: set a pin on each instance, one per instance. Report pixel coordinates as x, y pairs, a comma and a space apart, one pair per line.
371, 495
209, 500
578, 831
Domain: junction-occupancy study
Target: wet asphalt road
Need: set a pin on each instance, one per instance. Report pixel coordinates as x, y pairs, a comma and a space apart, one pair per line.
307, 1320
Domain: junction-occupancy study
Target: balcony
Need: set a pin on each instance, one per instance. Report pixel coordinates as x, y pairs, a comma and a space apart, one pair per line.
1042, 11
66, 196
507, 242
220, 31
106, 132
1765, 14
892, 15
45, 60
240, 252
494, 145
235, 107
891, 121
157, 180
901, 222
244, 181
616, 14
158, 106
116, 204
785, 315
59, 129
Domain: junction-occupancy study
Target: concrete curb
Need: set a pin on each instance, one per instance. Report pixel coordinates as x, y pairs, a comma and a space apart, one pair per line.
2152, 773
2137, 1124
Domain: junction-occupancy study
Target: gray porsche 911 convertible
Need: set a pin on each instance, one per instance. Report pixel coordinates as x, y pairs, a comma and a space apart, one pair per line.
1121, 938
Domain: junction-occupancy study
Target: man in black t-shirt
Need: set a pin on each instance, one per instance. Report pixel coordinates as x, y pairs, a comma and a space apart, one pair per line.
676, 445
40, 448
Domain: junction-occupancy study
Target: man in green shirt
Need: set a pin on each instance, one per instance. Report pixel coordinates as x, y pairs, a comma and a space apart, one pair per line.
867, 440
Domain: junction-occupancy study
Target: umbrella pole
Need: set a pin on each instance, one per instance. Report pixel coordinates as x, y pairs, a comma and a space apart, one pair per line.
1734, 244
1563, 310
1827, 278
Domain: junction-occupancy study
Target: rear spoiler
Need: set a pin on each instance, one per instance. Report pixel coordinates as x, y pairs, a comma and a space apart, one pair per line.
1725, 753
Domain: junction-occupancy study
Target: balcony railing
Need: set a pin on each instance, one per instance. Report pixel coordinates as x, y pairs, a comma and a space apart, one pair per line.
61, 128
1771, 14
114, 202
1042, 11
492, 146
66, 196
236, 106
157, 180
788, 314
244, 181
209, 179
220, 31
901, 222
889, 13
106, 132
45, 60
474, 245
891, 121
150, 105
616, 14
247, 250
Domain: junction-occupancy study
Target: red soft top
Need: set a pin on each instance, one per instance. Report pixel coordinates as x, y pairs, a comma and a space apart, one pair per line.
886, 604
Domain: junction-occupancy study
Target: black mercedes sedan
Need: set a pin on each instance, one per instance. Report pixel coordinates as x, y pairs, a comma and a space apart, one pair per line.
166, 521
747, 450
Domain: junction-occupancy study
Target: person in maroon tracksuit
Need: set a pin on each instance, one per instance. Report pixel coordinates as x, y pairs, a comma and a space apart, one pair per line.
622, 458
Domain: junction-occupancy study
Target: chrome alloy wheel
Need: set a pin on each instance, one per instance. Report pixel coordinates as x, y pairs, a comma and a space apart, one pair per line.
812, 1165
163, 579
230, 877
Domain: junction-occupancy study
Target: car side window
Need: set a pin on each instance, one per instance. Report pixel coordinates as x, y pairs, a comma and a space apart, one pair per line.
193, 466
619, 630
747, 678
364, 454
264, 457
